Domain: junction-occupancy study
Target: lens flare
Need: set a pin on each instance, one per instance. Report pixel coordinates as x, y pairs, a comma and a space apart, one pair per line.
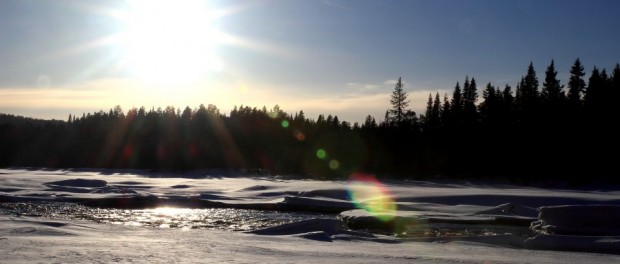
299, 135
284, 123
334, 164
321, 153
371, 195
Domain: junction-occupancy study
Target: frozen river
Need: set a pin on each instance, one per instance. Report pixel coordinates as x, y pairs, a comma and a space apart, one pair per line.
50, 211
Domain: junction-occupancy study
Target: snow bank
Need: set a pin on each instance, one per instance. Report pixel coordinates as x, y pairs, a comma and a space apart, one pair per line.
418, 205
326, 230
505, 214
103, 243
597, 244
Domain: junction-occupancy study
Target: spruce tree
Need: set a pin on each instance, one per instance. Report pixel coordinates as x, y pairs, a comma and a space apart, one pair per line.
369, 122
576, 84
429, 108
470, 96
552, 90
446, 118
490, 101
457, 103
437, 108
432, 119
398, 113
527, 98
594, 90
552, 97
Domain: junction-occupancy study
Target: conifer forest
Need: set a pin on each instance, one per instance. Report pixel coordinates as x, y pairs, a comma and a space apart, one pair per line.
538, 130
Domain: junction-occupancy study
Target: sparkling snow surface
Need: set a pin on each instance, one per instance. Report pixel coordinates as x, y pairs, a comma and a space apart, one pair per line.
267, 219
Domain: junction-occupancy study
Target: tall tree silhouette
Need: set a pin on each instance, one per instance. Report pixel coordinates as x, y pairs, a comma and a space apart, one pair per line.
489, 106
552, 92
527, 98
399, 102
507, 108
437, 109
576, 85
552, 97
595, 92
432, 120
456, 105
470, 96
446, 111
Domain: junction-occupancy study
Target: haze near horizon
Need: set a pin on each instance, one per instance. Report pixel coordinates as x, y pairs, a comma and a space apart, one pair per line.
322, 57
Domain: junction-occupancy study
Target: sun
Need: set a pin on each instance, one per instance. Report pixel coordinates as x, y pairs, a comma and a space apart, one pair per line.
169, 42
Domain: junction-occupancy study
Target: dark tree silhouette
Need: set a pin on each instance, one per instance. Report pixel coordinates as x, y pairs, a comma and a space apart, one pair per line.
470, 96
399, 102
528, 138
446, 114
576, 85
432, 119
527, 98
552, 98
552, 92
456, 105
489, 107
436, 110
594, 94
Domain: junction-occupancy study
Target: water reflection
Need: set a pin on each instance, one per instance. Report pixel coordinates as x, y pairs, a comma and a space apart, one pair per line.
164, 217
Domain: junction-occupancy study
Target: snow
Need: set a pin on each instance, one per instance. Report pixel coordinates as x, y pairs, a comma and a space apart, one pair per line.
590, 216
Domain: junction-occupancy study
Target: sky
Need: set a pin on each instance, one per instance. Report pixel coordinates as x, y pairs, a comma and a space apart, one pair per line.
338, 57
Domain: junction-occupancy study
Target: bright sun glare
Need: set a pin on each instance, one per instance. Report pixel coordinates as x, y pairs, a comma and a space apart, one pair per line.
169, 42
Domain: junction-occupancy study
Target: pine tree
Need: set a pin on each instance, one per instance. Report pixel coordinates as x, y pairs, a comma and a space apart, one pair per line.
470, 96
576, 84
370, 122
594, 91
457, 102
552, 90
530, 88
446, 118
552, 97
429, 108
527, 98
489, 98
437, 108
507, 98
399, 103
432, 119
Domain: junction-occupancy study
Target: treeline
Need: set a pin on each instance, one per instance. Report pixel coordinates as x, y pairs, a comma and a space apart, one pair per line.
534, 133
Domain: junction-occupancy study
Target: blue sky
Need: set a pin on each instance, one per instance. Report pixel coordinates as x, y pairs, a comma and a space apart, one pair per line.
332, 56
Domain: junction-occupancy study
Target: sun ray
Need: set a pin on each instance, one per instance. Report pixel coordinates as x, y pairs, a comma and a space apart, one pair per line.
169, 42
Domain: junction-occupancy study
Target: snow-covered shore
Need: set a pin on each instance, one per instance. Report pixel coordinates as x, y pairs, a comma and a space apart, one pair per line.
402, 205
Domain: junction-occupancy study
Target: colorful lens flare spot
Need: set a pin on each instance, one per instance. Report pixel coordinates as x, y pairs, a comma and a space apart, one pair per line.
299, 135
321, 154
284, 123
334, 164
371, 195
